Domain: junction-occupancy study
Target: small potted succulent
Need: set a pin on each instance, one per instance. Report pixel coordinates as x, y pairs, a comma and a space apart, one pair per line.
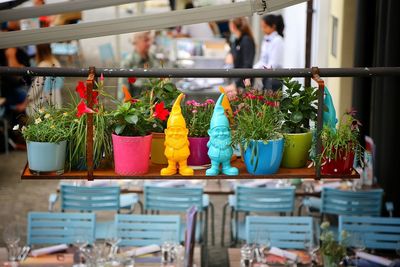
198, 117
340, 146
258, 123
299, 108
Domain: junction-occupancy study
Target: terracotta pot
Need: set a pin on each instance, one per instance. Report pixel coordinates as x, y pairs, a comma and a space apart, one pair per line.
342, 165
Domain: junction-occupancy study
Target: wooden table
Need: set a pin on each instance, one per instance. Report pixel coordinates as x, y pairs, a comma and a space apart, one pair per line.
66, 260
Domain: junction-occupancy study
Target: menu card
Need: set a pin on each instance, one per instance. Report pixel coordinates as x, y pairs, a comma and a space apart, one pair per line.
190, 237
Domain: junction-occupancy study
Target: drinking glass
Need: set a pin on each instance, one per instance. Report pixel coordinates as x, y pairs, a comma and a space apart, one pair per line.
12, 236
358, 244
81, 240
113, 240
167, 247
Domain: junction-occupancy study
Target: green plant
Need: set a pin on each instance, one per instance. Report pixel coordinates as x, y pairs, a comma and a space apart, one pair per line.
161, 90
298, 106
47, 124
344, 139
75, 115
330, 246
198, 117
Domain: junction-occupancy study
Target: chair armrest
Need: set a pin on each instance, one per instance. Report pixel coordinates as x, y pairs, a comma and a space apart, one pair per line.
52, 201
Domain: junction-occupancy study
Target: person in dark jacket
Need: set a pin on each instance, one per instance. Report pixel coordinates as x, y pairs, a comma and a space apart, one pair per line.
242, 51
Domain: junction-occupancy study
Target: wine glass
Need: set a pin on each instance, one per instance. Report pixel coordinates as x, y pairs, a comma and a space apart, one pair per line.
12, 236
113, 240
167, 247
81, 240
358, 244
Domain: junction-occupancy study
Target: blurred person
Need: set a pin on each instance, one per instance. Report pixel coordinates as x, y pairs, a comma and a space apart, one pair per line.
45, 89
242, 51
44, 21
141, 57
271, 55
200, 30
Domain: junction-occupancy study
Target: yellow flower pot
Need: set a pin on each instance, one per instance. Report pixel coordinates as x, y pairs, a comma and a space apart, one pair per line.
158, 148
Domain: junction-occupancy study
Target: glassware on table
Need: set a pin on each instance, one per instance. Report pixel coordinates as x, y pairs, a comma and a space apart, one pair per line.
168, 253
262, 244
246, 255
11, 237
81, 240
112, 240
358, 244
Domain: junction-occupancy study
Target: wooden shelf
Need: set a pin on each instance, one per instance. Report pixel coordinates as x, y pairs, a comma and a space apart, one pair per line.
154, 174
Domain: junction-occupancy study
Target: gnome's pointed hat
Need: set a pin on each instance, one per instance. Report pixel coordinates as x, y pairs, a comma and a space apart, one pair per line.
176, 118
219, 118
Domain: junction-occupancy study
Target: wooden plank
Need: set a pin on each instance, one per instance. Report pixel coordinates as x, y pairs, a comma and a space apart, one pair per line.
154, 174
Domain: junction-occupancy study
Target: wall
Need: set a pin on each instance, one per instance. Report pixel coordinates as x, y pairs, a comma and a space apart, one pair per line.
341, 88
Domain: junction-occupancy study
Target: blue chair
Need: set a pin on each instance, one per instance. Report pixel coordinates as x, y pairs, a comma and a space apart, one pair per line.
376, 232
343, 202
180, 199
143, 230
255, 199
59, 228
96, 198
284, 232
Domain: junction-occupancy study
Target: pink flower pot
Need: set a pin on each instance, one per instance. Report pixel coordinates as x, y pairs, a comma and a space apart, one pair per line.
198, 151
131, 154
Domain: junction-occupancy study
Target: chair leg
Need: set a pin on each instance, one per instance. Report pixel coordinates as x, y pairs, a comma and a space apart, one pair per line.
205, 234
223, 223
212, 224
300, 209
231, 229
237, 227
141, 207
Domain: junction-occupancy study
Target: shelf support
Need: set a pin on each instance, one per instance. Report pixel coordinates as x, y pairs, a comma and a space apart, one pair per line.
89, 123
320, 118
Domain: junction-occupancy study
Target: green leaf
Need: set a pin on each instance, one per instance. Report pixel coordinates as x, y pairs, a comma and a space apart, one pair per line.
296, 116
132, 119
119, 128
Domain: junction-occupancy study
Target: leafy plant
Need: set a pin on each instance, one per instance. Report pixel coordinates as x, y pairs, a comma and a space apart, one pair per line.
257, 117
330, 246
339, 142
47, 124
162, 90
198, 117
298, 106
75, 115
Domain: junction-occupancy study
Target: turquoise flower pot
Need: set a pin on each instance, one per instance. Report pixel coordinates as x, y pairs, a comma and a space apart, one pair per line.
266, 157
46, 157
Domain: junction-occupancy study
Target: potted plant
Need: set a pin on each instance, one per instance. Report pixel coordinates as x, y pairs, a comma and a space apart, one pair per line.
46, 133
340, 146
164, 93
298, 106
132, 124
198, 117
332, 250
75, 114
258, 123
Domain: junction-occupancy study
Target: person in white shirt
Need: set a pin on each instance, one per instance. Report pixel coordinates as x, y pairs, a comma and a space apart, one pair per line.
271, 55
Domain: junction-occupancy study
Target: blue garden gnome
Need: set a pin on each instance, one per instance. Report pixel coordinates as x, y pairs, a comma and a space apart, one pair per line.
219, 146
330, 114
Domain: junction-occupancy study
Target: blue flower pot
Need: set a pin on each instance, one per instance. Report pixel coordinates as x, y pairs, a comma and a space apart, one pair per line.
46, 157
269, 156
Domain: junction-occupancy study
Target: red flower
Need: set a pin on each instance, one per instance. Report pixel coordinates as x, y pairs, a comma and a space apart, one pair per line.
160, 112
95, 94
81, 89
131, 80
82, 109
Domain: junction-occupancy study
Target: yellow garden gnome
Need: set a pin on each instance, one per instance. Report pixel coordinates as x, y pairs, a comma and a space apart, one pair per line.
176, 142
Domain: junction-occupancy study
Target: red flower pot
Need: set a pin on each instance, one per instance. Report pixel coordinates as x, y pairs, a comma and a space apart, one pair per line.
342, 165
198, 151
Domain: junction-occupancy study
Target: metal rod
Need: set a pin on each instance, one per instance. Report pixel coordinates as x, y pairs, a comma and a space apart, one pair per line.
320, 119
89, 123
58, 8
310, 12
204, 73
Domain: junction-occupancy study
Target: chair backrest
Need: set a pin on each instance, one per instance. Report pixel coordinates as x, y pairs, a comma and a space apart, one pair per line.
360, 203
264, 199
106, 54
172, 198
284, 232
143, 230
85, 198
59, 228
376, 232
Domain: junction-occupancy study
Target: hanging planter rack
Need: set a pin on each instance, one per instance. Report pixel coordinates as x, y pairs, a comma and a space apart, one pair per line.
91, 73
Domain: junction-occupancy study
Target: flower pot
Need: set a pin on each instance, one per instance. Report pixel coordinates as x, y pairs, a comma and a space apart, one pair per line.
131, 154
342, 165
198, 151
269, 156
46, 157
296, 151
158, 148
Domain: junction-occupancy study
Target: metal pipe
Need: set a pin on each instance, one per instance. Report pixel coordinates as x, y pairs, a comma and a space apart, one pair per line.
58, 8
203, 73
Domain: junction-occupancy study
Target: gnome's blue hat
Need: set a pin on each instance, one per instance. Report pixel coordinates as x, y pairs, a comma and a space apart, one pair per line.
219, 118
